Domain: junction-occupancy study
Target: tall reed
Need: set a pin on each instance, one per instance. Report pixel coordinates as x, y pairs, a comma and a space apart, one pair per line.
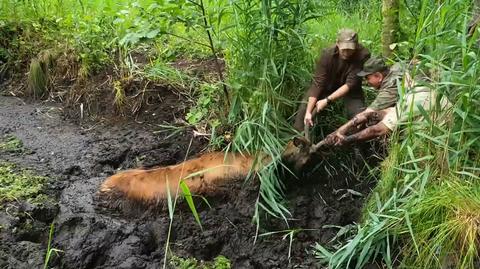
270, 63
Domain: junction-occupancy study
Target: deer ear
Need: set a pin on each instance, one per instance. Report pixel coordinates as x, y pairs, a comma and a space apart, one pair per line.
301, 142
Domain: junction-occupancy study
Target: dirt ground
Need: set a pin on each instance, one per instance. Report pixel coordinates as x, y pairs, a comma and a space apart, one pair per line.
78, 157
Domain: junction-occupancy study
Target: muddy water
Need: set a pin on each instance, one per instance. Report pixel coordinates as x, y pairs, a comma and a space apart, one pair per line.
78, 157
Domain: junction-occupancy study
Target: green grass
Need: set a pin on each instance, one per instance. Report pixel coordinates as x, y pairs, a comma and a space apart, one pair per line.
220, 262
11, 143
50, 250
445, 225
97, 32
165, 74
16, 184
366, 20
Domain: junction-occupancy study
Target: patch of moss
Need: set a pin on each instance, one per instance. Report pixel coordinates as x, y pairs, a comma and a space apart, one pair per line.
11, 143
18, 184
220, 262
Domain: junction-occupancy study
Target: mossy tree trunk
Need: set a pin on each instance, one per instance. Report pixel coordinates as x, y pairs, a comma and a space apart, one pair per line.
391, 25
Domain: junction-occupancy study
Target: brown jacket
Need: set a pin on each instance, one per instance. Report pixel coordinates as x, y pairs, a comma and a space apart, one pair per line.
332, 72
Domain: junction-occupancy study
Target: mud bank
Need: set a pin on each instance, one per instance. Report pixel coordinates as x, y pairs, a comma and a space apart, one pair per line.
78, 157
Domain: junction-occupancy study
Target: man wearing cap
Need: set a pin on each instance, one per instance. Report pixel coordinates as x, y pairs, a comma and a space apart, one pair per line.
386, 111
386, 80
336, 77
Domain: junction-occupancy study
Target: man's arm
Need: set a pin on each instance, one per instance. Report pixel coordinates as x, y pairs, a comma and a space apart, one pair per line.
340, 92
367, 110
376, 130
311, 103
352, 81
358, 120
339, 134
352, 126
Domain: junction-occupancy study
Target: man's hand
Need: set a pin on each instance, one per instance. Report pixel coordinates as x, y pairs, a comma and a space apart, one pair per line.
308, 119
329, 140
359, 119
339, 139
321, 104
335, 138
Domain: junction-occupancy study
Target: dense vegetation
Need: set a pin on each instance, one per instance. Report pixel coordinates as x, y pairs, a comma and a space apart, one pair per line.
424, 210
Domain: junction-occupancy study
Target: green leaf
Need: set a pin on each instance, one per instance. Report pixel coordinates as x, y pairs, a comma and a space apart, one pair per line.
191, 205
152, 33
169, 200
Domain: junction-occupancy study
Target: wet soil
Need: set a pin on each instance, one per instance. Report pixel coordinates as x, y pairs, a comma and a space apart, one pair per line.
78, 157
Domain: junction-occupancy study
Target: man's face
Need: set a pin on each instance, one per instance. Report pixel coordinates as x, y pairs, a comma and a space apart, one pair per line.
375, 80
346, 54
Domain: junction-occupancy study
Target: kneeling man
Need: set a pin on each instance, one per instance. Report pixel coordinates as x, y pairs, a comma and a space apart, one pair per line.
387, 111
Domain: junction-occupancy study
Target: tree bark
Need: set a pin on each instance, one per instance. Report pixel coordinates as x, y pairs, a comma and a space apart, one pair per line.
474, 21
391, 25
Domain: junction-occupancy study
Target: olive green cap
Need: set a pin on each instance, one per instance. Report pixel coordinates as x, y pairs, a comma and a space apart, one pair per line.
372, 65
347, 39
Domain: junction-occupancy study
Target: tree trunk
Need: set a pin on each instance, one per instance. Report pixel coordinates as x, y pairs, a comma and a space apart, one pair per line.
391, 25
473, 24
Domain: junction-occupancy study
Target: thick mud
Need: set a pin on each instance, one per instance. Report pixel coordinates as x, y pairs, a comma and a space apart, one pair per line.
90, 234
